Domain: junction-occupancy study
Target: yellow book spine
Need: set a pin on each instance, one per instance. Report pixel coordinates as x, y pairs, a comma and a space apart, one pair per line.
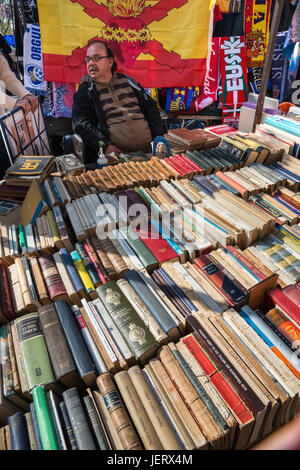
82, 272
53, 227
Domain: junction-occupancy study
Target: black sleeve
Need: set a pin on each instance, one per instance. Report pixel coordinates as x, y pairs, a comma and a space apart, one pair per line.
85, 122
151, 113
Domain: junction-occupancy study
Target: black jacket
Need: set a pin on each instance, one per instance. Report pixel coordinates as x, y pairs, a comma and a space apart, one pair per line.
89, 121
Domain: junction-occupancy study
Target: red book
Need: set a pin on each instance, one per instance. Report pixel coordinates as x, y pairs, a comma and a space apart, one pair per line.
221, 129
158, 246
7, 308
293, 293
230, 396
277, 298
186, 164
179, 164
191, 164
223, 282
246, 262
175, 167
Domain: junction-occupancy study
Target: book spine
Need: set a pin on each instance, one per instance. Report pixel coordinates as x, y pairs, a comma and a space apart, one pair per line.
70, 437
89, 342
52, 278
35, 356
118, 413
284, 325
78, 420
30, 431
56, 342
44, 418
82, 272
75, 342
31, 287
99, 434
78, 286
31, 247
137, 412
35, 427
5, 295
52, 401
93, 259
157, 310
159, 421
95, 279
138, 337
12, 355
18, 432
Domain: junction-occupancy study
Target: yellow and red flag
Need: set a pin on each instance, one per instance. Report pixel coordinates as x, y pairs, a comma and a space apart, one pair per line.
161, 43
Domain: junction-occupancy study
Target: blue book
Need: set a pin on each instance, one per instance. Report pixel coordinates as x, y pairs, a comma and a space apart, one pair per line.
178, 291
68, 262
287, 205
35, 427
67, 427
155, 307
18, 432
81, 357
54, 185
278, 167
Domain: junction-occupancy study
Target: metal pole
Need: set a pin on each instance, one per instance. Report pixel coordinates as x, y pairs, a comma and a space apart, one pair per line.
268, 61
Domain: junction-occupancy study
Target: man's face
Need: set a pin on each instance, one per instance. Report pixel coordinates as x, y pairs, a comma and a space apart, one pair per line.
101, 68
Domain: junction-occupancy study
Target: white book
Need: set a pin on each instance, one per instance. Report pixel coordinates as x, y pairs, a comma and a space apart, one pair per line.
87, 212
49, 233
64, 274
182, 201
198, 289
177, 186
99, 331
75, 221
113, 330
31, 247
49, 193
125, 250
273, 337
80, 214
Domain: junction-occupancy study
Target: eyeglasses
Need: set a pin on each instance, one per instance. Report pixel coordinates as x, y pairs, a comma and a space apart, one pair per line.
95, 58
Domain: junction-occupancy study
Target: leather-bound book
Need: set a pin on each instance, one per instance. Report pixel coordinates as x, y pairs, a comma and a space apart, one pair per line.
109, 270
81, 358
54, 282
59, 352
18, 432
138, 337
114, 257
34, 352
39, 281
119, 416
78, 420
6, 303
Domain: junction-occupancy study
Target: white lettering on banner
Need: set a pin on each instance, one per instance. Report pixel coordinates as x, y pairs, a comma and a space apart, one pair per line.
232, 46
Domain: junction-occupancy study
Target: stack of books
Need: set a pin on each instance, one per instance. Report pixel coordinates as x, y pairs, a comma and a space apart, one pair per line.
27, 169
186, 139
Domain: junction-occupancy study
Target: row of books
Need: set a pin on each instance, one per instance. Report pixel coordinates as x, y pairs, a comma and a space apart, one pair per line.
223, 386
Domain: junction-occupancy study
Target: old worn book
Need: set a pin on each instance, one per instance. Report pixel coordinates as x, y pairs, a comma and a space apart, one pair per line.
39, 281
78, 420
15, 290
202, 415
62, 270
68, 430
170, 393
137, 412
77, 347
7, 309
118, 413
37, 365
61, 359
14, 369
157, 417
30, 431
18, 432
53, 280
102, 255
140, 340
53, 402
111, 432
96, 425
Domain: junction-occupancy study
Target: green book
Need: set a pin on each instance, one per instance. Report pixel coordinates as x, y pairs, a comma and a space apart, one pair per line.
136, 334
44, 418
145, 256
37, 365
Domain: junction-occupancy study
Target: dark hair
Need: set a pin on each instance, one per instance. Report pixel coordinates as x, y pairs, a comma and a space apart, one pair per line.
109, 52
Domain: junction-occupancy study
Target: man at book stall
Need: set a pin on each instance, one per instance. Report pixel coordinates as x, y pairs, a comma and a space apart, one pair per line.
23, 99
113, 108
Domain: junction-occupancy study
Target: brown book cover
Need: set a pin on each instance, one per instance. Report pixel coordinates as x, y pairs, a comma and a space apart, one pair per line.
54, 282
60, 355
118, 413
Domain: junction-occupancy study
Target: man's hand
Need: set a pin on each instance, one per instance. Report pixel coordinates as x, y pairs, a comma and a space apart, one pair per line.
23, 104
33, 101
112, 149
